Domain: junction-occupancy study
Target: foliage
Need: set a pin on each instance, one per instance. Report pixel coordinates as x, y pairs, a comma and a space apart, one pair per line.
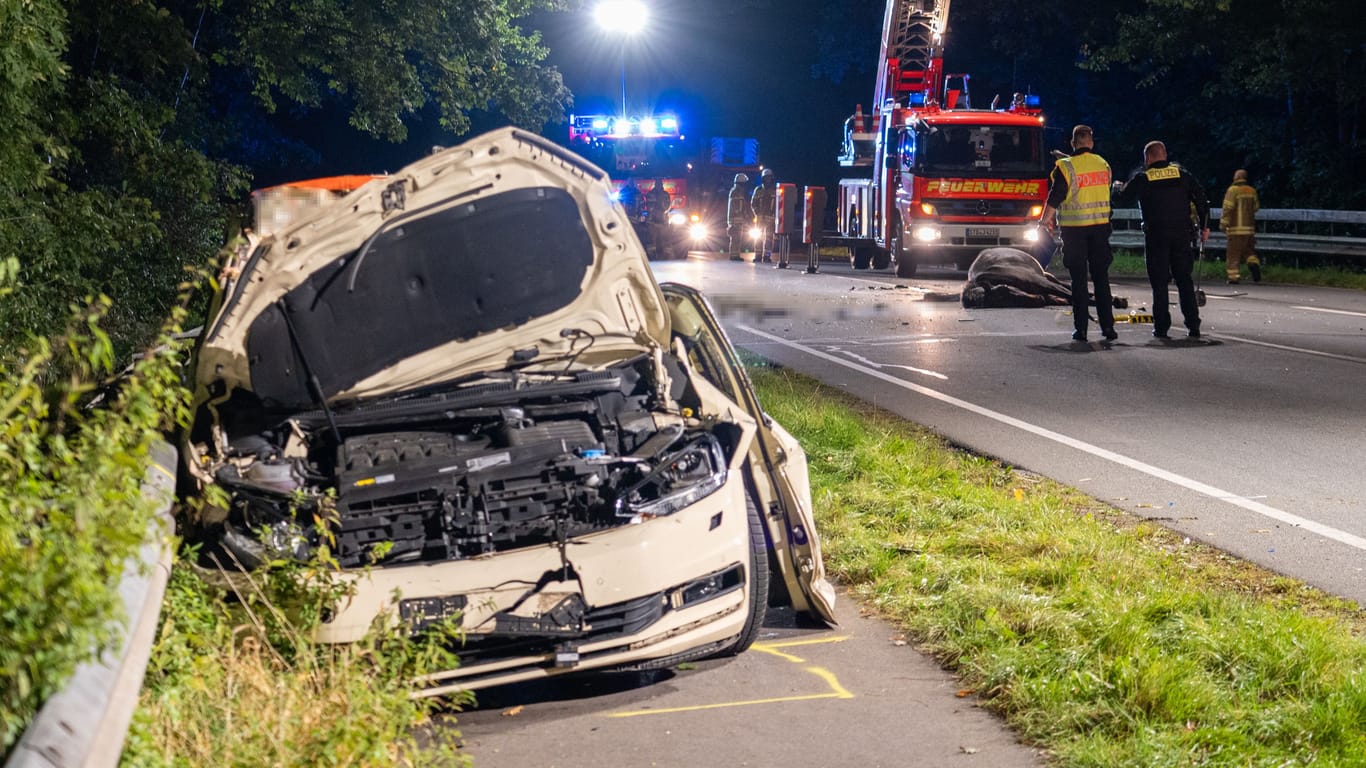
239, 681
73, 512
130, 132
1106, 640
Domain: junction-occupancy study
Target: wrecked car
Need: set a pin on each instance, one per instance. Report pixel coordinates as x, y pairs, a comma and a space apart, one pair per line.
468, 372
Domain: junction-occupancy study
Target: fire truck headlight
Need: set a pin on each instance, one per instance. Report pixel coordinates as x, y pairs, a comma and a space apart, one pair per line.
1036, 211
756, 233
698, 232
676, 218
927, 209
1031, 235
926, 234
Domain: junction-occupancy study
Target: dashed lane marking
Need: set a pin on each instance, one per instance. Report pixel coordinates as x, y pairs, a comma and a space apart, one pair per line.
836, 691
1332, 311
1313, 526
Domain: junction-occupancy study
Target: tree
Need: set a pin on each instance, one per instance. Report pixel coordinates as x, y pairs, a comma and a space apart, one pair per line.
131, 131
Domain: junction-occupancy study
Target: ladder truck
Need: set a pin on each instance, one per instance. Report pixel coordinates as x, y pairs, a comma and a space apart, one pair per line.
944, 180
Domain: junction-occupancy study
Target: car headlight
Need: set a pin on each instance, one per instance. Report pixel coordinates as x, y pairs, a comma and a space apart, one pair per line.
698, 231
1031, 235
677, 219
680, 480
926, 234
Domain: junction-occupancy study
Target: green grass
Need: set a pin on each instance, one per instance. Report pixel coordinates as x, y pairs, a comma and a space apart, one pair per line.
1211, 272
1106, 640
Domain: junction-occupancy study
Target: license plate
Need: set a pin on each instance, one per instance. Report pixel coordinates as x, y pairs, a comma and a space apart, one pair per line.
983, 232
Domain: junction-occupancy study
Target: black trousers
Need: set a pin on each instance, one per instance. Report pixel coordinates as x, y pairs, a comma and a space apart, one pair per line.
1086, 251
1169, 256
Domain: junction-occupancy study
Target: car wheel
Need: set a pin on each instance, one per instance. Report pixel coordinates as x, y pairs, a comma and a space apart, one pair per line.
757, 576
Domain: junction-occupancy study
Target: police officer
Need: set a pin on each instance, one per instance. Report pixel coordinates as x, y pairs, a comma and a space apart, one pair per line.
1165, 193
738, 215
657, 202
763, 200
1079, 192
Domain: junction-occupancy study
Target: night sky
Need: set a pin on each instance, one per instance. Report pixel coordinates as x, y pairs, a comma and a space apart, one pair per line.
786, 73
727, 68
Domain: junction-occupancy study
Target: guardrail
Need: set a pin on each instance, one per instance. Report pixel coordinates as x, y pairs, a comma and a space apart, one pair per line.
1285, 230
85, 724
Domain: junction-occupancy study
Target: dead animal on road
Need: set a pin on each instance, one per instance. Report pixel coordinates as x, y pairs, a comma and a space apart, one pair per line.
1009, 277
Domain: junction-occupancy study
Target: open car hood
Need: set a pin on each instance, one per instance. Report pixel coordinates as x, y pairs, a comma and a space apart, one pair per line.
506, 250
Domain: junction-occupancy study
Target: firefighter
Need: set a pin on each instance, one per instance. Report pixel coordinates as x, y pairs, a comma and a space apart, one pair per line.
1165, 193
763, 201
1239, 222
738, 216
1079, 192
657, 202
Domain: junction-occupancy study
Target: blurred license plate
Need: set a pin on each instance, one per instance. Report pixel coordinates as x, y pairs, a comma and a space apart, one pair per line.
983, 232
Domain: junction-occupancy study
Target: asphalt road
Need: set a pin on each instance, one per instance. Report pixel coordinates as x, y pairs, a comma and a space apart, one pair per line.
857, 695
1248, 439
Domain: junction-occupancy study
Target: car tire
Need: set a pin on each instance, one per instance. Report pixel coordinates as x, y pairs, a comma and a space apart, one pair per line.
757, 579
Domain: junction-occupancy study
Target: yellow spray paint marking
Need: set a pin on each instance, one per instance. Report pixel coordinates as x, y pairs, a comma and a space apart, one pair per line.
772, 648
837, 691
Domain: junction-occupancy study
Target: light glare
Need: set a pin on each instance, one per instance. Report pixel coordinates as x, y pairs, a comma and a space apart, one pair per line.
624, 16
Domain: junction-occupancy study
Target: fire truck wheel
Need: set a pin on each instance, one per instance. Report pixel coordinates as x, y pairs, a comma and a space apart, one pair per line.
881, 259
861, 256
905, 264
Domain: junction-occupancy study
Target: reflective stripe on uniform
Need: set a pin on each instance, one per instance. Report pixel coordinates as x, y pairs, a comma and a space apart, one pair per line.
1088, 191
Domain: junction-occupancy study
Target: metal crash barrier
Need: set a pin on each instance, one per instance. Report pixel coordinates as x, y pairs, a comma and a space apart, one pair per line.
85, 723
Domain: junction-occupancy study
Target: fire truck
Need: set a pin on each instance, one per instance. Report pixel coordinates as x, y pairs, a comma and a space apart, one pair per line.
643, 151
946, 180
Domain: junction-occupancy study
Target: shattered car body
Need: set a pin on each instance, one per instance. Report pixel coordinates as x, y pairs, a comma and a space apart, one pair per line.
469, 372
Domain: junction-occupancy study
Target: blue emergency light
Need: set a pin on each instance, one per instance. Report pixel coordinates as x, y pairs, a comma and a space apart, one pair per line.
1032, 101
916, 99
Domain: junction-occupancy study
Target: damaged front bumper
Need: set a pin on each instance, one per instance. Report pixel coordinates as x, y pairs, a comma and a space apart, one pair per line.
627, 595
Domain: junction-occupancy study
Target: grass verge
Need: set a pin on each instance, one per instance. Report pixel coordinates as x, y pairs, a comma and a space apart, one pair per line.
1106, 640
239, 682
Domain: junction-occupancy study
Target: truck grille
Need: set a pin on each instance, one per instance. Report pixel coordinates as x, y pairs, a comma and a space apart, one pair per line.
1017, 209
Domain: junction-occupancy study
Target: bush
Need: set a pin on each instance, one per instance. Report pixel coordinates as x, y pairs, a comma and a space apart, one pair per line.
72, 511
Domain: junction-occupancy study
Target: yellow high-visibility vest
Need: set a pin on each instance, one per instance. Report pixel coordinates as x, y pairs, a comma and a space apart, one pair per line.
1088, 191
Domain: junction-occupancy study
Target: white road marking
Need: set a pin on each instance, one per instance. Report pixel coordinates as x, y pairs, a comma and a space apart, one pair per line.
866, 361
1212, 492
1287, 348
1332, 311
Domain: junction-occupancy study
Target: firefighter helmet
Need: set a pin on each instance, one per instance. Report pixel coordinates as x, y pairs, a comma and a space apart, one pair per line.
741, 178
767, 174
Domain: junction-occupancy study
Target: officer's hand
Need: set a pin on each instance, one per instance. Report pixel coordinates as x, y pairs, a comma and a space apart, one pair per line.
1117, 187
1204, 234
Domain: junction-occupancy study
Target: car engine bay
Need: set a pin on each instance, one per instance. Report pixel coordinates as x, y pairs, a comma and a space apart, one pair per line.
507, 462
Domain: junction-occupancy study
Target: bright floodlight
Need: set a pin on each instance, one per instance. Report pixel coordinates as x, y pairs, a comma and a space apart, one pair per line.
626, 16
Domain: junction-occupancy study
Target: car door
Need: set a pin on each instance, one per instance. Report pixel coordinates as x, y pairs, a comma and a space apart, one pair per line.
780, 478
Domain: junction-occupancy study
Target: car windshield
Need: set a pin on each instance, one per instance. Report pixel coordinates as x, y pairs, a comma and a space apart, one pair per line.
425, 279
992, 148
